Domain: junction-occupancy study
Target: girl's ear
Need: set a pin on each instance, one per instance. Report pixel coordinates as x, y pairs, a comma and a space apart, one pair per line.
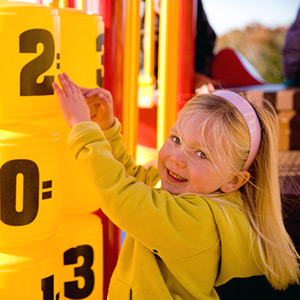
236, 182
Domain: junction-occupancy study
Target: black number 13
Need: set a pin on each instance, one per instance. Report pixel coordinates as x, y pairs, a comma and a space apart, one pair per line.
32, 70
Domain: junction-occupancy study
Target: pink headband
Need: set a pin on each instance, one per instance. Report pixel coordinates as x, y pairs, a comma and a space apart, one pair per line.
250, 116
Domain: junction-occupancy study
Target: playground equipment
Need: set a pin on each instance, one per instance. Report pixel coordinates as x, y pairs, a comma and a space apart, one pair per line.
51, 244
55, 243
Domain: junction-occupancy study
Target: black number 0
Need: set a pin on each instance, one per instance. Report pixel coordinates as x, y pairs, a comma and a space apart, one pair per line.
32, 70
8, 180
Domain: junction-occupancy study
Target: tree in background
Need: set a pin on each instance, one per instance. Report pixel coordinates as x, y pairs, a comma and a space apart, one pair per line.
261, 46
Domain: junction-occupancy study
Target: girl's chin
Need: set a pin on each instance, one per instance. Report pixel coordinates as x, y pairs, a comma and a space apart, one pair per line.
171, 189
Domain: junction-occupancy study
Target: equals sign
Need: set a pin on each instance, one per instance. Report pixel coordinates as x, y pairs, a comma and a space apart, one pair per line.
58, 63
47, 185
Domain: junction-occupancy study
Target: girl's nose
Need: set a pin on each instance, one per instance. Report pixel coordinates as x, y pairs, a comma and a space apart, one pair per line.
179, 158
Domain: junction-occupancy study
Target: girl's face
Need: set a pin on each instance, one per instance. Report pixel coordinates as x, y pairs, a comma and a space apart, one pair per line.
184, 162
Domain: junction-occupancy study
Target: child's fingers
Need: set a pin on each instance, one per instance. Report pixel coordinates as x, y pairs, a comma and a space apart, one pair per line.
104, 99
92, 92
65, 85
103, 95
71, 85
60, 94
83, 90
106, 93
78, 91
97, 91
57, 89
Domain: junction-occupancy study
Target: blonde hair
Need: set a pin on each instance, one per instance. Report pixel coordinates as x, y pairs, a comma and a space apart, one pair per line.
261, 194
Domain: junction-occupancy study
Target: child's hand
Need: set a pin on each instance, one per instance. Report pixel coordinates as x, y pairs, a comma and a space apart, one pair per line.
104, 116
204, 84
71, 101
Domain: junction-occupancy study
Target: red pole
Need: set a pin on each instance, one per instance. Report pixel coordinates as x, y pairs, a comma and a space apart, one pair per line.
113, 13
188, 19
71, 3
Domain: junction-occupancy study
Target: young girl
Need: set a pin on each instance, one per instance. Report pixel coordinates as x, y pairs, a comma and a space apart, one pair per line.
218, 213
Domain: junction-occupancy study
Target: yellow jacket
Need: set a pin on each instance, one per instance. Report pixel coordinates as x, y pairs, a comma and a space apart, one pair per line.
177, 246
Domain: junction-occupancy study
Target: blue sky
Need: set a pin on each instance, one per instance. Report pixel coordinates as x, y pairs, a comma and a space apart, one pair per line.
226, 15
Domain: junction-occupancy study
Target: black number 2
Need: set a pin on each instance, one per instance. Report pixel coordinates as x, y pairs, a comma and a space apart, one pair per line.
32, 70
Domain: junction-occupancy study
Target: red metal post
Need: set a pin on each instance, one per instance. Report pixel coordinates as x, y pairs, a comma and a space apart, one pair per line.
188, 19
71, 3
113, 13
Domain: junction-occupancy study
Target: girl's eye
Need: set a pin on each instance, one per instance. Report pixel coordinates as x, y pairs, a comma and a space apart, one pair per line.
175, 139
201, 154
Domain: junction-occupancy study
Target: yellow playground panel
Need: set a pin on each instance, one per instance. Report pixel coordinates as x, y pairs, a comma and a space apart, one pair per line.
51, 243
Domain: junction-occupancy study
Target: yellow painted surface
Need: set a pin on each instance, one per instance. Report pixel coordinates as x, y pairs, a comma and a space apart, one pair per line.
131, 68
167, 69
147, 78
81, 246
29, 47
82, 47
73, 191
29, 178
30, 272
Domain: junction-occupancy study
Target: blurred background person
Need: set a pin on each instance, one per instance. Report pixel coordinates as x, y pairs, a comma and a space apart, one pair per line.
291, 54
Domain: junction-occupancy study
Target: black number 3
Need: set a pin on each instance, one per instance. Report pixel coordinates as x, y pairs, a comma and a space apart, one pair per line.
99, 46
72, 290
32, 70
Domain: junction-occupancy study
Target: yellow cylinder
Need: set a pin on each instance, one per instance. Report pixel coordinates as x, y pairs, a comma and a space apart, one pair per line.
82, 47
80, 243
168, 54
28, 57
130, 75
29, 208
30, 272
73, 191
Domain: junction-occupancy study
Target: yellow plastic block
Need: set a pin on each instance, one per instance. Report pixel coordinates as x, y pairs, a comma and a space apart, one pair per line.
29, 209
31, 272
73, 191
82, 47
28, 59
81, 247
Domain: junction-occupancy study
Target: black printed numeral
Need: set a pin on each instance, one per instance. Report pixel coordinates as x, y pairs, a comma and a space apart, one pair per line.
48, 288
72, 289
32, 70
99, 47
8, 181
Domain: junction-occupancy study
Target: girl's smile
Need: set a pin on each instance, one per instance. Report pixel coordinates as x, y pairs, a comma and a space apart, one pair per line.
175, 177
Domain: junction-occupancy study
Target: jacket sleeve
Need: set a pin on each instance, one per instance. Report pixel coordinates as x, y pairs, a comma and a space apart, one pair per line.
114, 137
175, 227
